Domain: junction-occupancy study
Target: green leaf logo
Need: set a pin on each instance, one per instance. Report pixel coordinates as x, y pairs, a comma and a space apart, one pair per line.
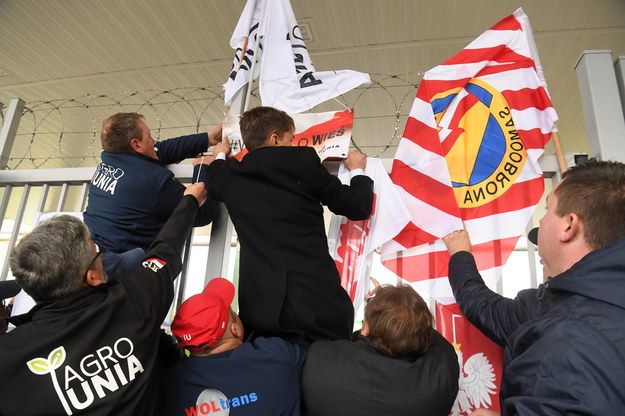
42, 366
57, 357
39, 366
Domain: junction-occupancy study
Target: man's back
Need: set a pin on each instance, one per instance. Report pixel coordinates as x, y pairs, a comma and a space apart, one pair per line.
82, 352
123, 210
274, 197
132, 195
353, 378
257, 378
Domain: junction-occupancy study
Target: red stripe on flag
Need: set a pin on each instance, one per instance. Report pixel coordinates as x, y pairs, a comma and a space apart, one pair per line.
498, 69
424, 188
499, 54
434, 264
520, 195
412, 236
508, 23
493, 253
425, 136
534, 138
528, 98
421, 267
430, 87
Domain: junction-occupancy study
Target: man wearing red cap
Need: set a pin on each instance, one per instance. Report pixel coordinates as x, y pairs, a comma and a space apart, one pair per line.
259, 377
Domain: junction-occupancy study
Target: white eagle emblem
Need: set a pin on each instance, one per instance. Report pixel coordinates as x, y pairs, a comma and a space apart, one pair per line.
476, 383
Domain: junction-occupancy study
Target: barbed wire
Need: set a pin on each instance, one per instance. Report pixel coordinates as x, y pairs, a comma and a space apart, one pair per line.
65, 133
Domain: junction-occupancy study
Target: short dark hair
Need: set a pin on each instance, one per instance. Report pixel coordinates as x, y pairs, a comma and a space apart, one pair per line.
595, 191
51, 261
399, 321
259, 123
118, 130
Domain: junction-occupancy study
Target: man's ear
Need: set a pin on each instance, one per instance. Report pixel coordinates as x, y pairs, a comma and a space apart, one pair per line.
365, 329
135, 145
236, 330
572, 227
273, 139
94, 278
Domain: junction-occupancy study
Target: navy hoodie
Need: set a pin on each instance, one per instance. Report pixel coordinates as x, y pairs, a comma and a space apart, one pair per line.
131, 196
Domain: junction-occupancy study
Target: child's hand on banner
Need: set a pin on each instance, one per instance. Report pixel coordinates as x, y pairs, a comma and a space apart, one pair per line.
355, 160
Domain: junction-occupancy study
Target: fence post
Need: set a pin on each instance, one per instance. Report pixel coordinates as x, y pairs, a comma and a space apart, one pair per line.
9, 130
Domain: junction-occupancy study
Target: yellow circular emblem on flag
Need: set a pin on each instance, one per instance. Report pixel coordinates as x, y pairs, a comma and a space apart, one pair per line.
485, 154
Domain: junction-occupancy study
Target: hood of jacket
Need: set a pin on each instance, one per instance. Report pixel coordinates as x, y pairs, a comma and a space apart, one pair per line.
599, 275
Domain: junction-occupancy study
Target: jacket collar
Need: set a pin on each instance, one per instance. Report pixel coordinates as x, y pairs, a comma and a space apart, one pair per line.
107, 155
366, 344
599, 275
81, 299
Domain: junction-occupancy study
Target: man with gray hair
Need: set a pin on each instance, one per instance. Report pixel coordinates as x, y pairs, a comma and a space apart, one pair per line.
89, 346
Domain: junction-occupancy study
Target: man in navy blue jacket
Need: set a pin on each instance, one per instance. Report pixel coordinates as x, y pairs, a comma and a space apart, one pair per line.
132, 193
565, 341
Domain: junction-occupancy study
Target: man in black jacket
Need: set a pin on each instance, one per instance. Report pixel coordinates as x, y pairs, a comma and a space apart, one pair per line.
565, 341
399, 365
89, 346
288, 284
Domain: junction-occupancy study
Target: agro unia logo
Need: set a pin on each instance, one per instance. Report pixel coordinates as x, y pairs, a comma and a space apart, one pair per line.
97, 374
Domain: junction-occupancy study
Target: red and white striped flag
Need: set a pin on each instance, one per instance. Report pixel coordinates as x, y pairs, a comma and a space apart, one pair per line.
352, 243
470, 153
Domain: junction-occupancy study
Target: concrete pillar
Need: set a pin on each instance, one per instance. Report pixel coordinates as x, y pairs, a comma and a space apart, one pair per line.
619, 69
603, 113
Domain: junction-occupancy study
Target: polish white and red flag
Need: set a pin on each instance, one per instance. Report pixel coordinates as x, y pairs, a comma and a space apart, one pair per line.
469, 154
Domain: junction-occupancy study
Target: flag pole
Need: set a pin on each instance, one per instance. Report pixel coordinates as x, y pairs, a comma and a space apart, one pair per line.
555, 136
250, 81
222, 227
243, 49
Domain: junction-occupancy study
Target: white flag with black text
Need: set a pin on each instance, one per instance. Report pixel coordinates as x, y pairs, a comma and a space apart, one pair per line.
288, 79
243, 41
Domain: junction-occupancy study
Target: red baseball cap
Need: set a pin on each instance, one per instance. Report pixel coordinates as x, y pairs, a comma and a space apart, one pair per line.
202, 319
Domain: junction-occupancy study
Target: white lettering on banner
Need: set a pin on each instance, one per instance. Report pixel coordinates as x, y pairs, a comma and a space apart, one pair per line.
106, 177
97, 374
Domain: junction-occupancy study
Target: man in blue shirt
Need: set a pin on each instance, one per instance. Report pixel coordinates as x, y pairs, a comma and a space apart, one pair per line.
223, 373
